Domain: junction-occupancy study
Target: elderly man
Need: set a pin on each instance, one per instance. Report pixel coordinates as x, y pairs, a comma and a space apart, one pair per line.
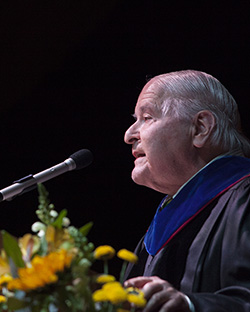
187, 143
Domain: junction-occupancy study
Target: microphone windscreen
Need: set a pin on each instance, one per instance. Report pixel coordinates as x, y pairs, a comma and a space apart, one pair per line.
82, 158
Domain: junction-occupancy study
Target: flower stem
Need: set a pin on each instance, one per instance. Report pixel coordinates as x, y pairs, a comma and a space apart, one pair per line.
123, 269
110, 308
105, 267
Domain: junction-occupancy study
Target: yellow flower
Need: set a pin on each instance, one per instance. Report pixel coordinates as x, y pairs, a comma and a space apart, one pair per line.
112, 292
16, 284
2, 299
59, 260
137, 300
104, 252
57, 237
122, 310
5, 278
100, 295
42, 271
105, 278
35, 277
115, 292
4, 265
111, 285
50, 234
117, 295
127, 255
136, 296
134, 290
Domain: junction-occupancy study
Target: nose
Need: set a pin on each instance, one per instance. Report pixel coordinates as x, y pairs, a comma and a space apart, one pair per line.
132, 134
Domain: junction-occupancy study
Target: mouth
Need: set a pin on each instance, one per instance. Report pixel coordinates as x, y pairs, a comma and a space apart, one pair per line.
138, 154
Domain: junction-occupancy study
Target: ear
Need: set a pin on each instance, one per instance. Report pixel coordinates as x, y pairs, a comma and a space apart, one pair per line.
204, 123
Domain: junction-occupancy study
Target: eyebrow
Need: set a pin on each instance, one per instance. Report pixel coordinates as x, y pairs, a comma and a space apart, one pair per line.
142, 109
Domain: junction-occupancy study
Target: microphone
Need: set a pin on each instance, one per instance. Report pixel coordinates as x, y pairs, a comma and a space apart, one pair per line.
76, 161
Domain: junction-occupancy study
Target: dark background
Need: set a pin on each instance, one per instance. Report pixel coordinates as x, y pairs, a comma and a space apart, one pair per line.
70, 75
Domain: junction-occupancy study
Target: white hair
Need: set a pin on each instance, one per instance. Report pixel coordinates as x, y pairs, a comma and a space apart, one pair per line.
185, 93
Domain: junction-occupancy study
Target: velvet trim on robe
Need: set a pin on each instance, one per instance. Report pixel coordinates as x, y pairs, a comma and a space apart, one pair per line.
204, 187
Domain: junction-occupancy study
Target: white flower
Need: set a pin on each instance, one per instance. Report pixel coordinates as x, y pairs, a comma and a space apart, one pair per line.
66, 221
37, 226
85, 263
41, 233
53, 213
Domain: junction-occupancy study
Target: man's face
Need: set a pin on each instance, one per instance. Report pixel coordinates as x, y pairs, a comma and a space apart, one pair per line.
161, 144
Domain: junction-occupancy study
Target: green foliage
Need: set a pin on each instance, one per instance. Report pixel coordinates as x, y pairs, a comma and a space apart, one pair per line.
84, 230
17, 304
56, 262
45, 206
58, 223
12, 249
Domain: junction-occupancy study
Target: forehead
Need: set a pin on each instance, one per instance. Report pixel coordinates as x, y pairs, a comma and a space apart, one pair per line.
150, 98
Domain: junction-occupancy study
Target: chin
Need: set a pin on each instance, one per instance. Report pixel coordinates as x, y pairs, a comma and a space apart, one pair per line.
142, 179
139, 178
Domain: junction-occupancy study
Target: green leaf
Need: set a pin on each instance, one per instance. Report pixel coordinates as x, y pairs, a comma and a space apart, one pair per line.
59, 220
12, 249
86, 228
16, 304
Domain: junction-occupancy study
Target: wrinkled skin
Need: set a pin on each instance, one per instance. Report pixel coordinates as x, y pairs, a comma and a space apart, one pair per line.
161, 296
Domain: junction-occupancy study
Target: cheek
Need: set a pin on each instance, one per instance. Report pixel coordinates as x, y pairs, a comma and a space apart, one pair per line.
160, 143
157, 156
163, 152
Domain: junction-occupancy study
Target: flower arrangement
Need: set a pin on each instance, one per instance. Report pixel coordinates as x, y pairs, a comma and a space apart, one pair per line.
112, 296
50, 270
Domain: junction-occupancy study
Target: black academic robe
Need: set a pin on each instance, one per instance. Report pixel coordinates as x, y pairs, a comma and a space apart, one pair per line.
209, 259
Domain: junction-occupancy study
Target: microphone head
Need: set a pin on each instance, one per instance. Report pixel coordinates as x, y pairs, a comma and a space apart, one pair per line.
82, 158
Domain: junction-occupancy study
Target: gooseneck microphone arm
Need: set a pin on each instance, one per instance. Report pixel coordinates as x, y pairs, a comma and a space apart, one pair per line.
76, 161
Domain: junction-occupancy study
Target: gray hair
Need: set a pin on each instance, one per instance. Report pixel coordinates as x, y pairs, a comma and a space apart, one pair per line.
185, 93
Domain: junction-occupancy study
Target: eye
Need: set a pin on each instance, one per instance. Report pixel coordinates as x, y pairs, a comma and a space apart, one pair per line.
146, 117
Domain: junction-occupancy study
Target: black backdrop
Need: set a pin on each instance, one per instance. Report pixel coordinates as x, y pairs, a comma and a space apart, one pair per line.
71, 72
